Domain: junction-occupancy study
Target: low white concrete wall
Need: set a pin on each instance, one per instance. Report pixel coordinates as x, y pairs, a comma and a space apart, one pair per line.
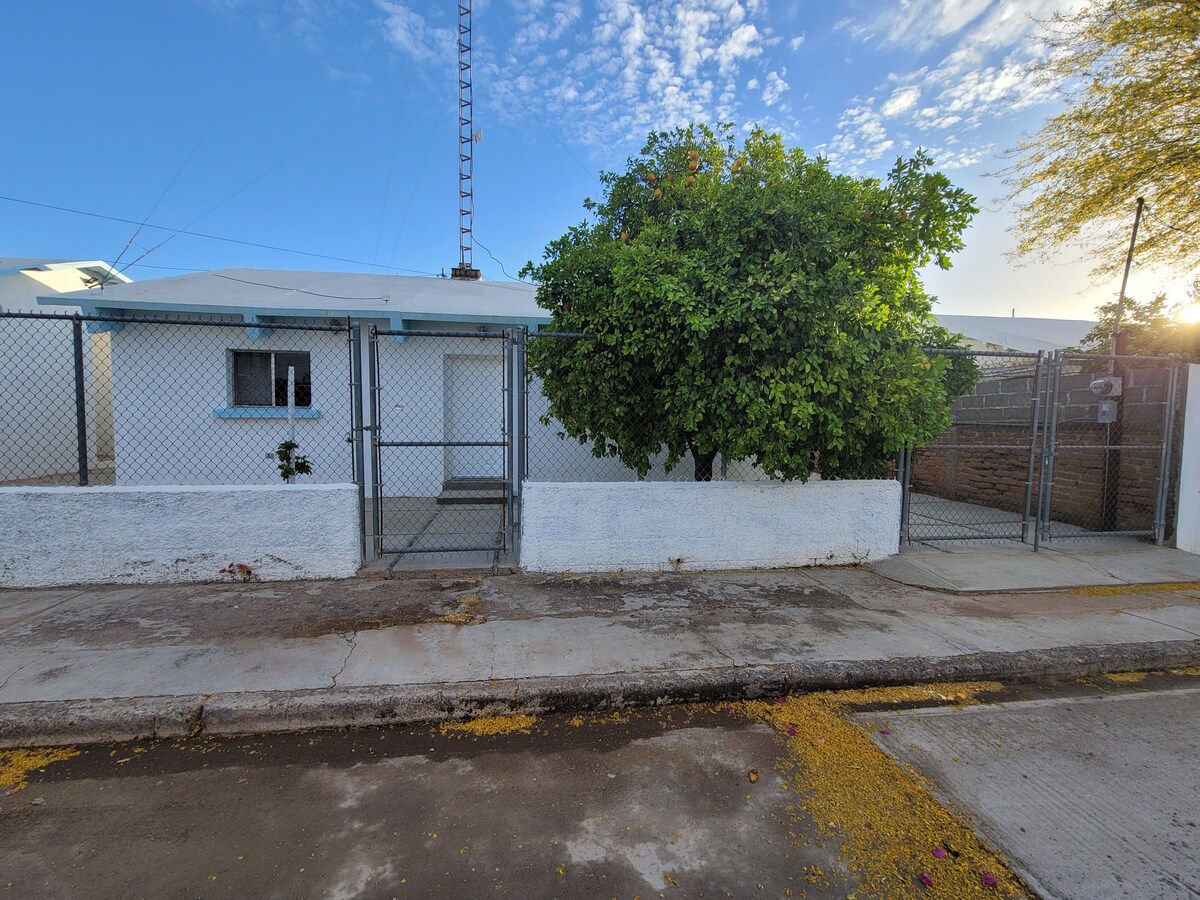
1187, 517
138, 535
600, 527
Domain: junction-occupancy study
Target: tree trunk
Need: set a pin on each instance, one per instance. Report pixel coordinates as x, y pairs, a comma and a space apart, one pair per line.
704, 464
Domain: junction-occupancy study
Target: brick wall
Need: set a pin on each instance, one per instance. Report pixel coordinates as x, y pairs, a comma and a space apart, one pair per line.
999, 413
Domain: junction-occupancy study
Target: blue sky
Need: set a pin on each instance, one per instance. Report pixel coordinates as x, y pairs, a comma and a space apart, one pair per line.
329, 126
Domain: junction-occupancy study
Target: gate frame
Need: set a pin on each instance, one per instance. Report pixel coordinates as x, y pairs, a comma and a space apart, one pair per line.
1044, 446
1035, 447
509, 355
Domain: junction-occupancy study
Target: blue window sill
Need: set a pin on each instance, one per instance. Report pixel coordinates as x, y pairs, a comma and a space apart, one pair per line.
263, 412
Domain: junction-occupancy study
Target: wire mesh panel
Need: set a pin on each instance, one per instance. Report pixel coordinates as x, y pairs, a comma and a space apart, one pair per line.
156, 401
1109, 423
976, 481
40, 439
441, 413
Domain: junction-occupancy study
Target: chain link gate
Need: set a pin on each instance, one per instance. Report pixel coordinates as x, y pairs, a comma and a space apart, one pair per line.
1047, 447
443, 441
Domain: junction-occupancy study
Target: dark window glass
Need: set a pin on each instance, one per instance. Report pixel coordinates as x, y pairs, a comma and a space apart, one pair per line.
252, 379
260, 378
298, 361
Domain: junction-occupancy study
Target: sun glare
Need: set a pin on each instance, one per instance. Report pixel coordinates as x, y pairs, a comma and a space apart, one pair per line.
1190, 314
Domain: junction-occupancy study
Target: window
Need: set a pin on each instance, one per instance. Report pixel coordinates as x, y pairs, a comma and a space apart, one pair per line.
260, 379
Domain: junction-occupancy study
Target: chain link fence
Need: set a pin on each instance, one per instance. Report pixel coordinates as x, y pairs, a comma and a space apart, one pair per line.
975, 480
171, 401
1047, 446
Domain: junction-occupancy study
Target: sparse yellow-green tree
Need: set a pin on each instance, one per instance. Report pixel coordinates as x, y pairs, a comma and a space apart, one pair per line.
1129, 72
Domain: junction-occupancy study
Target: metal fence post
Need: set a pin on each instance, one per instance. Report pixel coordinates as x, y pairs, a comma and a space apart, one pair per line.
1049, 445
902, 477
507, 389
376, 478
1164, 465
521, 431
354, 336
80, 401
1034, 447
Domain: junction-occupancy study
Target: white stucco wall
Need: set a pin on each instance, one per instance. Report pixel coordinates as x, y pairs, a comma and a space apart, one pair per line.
125, 535
599, 527
168, 379
1187, 522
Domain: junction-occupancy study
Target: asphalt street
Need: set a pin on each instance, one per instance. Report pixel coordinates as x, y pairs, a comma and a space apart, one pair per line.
1083, 789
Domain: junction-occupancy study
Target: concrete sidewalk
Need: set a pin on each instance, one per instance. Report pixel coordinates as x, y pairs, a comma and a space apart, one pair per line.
967, 567
96, 664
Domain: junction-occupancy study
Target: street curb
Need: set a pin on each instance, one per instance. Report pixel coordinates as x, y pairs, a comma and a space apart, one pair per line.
52, 723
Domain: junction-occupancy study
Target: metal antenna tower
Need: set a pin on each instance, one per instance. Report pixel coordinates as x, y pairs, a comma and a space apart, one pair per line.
466, 149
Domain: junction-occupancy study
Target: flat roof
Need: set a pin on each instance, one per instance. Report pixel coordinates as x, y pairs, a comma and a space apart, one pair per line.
1023, 333
273, 293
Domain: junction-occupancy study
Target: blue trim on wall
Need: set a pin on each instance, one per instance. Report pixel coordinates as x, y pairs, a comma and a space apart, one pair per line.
262, 412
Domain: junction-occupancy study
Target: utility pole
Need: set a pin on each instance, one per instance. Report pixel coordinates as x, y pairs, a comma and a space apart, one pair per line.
1116, 329
1115, 430
465, 270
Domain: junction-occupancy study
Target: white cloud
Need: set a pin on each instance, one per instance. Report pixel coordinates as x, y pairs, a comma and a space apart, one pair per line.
861, 137
795, 42
774, 89
629, 66
918, 24
415, 37
902, 100
984, 75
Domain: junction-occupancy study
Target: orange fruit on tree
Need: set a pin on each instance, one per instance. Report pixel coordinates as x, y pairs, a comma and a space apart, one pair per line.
691, 179
693, 165
651, 177
658, 192
624, 235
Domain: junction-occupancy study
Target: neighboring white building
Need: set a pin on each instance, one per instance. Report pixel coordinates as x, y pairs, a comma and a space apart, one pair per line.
38, 436
1024, 334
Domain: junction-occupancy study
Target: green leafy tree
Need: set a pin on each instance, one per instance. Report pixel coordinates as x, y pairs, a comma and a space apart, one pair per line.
1130, 128
747, 301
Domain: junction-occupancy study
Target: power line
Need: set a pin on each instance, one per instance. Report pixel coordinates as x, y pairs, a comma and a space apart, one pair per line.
253, 181
296, 290
215, 237
497, 262
1157, 218
174, 178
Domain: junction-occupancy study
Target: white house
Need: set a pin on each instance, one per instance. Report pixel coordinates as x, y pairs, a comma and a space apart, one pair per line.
38, 416
207, 404
199, 404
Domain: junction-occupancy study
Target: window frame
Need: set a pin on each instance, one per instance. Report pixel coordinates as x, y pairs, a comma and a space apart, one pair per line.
272, 386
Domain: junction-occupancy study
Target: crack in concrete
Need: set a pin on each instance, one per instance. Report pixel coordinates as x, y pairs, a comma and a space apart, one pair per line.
733, 662
351, 639
1163, 624
12, 675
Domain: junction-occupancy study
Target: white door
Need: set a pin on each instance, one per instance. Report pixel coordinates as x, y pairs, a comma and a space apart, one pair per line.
474, 413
